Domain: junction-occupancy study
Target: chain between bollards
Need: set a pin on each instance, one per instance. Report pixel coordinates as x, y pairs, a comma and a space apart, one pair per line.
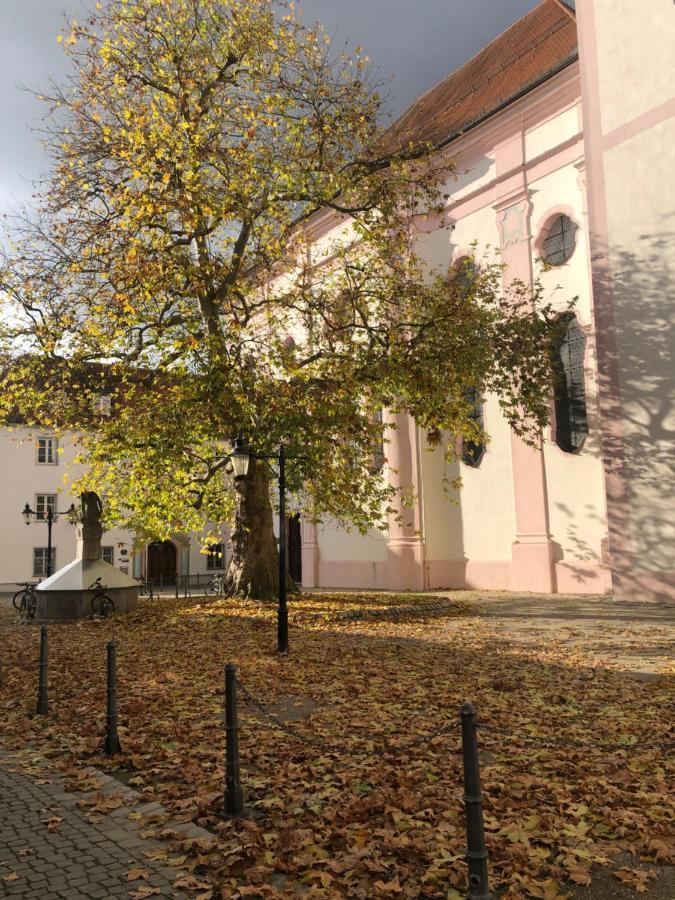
234, 795
476, 851
112, 741
43, 690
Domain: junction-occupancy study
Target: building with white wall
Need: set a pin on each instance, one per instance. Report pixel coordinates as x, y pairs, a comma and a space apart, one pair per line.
524, 519
514, 122
627, 82
37, 467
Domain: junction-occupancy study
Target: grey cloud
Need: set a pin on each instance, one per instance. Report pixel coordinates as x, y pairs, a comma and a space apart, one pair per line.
416, 43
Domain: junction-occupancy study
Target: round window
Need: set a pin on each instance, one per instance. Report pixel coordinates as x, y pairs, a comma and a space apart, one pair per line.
560, 241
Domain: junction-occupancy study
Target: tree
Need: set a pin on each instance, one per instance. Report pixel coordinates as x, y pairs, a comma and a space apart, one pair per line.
176, 265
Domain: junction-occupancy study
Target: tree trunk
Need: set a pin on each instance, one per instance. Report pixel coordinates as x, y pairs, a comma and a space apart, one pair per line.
253, 572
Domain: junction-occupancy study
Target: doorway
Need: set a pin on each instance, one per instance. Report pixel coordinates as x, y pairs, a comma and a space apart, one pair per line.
162, 562
295, 549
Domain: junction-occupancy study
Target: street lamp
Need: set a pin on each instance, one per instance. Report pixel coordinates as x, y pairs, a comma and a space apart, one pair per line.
240, 456
240, 459
30, 514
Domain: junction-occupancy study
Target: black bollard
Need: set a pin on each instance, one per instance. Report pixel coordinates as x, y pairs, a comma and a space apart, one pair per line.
234, 795
112, 741
476, 852
43, 695
176, 587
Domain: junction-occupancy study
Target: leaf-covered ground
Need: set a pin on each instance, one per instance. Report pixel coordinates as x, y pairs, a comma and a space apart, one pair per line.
337, 808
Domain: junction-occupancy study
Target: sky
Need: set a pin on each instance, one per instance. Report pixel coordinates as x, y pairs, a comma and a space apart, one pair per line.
415, 42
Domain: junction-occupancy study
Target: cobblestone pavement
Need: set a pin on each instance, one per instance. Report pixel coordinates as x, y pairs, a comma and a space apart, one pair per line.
49, 851
636, 638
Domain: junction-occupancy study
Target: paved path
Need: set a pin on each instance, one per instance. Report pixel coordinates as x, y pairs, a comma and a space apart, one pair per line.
637, 638
50, 851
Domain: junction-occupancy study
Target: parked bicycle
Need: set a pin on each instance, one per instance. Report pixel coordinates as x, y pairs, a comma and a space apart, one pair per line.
145, 588
101, 604
25, 600
216, 587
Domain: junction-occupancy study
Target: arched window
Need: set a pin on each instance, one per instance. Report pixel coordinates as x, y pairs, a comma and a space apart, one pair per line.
571, 421
463, 273
560, 240
473, 451
378, 458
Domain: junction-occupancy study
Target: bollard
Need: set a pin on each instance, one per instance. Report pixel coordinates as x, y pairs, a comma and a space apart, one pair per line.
476, 851
234, 796
176, 587
161, 582
112, 741
42, 695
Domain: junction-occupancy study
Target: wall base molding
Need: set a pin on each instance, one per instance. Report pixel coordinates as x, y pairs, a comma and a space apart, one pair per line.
569, 577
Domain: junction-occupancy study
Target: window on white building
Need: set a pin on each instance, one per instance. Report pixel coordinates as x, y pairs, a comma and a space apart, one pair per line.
215, 558
473, 451
561, 238
43, 503
40, 562
47, 451
571, 420
108, 555
102, 404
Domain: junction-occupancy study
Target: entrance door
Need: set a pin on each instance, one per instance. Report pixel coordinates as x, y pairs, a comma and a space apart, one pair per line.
162, 562
295, 549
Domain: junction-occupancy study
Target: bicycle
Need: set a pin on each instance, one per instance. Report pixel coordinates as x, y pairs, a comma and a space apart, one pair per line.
25, 600
101, 604
216, 587
145, 588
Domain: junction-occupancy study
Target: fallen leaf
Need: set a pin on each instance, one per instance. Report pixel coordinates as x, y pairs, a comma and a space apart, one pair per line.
138, 874
144, 892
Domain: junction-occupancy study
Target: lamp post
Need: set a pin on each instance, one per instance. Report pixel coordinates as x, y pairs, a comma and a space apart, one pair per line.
282, 613
30, 514
240, 469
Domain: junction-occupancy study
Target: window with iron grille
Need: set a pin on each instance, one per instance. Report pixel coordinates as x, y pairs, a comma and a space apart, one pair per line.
378, 457
464, 274
571, 420
46, 451
215, 558
40, 561
43, 503
108, 555
473, 451
560, 241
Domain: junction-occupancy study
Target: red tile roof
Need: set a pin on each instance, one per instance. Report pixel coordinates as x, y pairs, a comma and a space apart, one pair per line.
533, 47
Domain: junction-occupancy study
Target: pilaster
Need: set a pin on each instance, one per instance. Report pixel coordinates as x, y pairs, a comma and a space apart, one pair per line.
532, 552
405, 548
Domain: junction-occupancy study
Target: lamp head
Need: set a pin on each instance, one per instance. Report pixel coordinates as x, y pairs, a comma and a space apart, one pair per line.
240, 458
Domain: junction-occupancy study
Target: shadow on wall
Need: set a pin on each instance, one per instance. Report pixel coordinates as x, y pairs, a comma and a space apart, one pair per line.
637, 375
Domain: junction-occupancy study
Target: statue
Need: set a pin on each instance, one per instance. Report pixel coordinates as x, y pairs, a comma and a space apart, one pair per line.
92, 508
90, 530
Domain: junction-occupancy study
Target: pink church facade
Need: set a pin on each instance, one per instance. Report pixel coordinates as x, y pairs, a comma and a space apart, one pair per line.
524, 519
627, 81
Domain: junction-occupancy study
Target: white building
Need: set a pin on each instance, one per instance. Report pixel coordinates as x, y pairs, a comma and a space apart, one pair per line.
36, 468
524, 519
